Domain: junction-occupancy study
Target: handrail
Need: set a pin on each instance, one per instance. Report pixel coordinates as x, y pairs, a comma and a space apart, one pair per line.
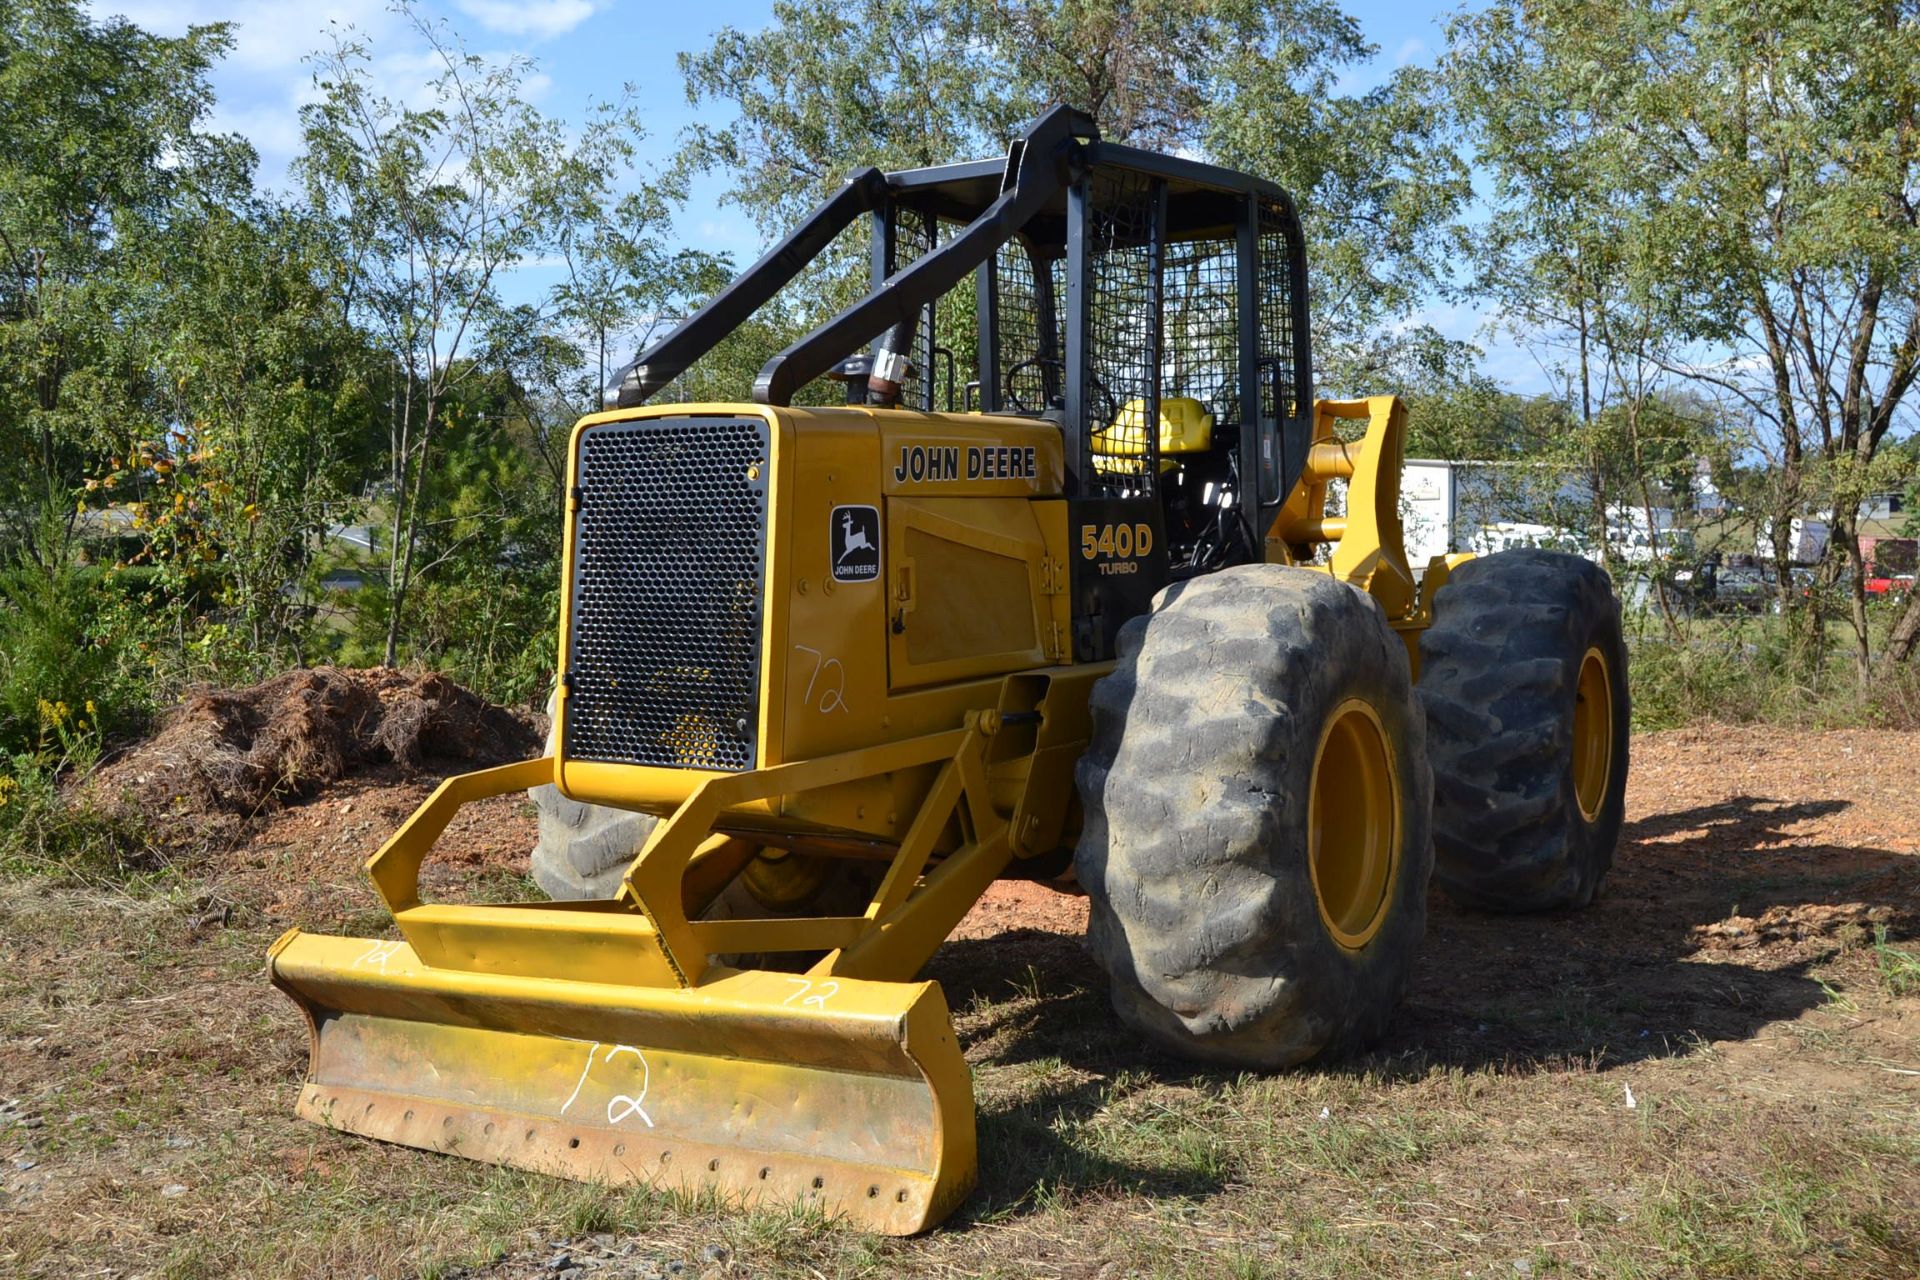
701, 332
395, 868
1048, 157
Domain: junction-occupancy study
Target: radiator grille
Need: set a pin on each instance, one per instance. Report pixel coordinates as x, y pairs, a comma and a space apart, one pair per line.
669, 556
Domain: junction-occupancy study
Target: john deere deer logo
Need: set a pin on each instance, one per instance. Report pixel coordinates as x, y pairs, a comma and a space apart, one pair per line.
856, 544
851, 539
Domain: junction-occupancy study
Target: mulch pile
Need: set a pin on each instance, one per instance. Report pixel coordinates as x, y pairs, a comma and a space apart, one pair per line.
227, 754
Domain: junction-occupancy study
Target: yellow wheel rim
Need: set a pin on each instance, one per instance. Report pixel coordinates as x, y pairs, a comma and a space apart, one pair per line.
1353, 824
1592, 733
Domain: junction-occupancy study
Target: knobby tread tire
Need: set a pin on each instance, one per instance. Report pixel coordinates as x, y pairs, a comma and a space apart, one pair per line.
582, 850
1194, 852
1499, 670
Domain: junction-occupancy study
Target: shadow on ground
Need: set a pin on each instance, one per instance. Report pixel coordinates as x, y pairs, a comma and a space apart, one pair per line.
1705, 930
1658, 964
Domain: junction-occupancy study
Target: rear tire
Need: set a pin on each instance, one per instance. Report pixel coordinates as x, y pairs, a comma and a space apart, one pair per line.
1256, 847
1524, 678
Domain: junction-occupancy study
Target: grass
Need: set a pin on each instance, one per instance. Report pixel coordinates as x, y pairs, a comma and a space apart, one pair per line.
142, 1052
1764, 669
1094, 1153
1899, 969
45, 830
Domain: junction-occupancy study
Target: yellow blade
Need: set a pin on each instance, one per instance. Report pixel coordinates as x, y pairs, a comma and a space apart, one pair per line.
769, 1087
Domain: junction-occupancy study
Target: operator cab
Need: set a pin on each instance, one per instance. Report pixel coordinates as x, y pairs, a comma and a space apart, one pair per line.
1153, 307
1189, 313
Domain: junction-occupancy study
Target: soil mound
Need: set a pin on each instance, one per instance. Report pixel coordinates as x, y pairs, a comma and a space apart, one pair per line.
240, 752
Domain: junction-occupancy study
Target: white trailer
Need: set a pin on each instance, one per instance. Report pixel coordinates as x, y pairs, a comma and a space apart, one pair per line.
1806, 541
1428, 501
1448, 506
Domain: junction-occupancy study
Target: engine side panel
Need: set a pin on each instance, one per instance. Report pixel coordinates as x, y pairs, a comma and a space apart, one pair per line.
907, 569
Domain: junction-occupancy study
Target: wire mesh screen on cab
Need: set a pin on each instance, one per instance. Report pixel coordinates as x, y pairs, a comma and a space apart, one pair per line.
1119, 405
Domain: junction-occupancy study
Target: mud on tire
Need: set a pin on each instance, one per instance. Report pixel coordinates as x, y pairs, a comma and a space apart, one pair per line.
1196, 851
1510, 697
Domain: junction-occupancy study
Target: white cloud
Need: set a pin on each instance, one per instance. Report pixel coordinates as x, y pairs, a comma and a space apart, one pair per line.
272, 128
1410, 50
1459, 321
541, 19
263, 82
269, 35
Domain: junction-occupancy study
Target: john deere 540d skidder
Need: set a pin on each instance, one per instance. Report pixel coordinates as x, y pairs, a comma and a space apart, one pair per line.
1057, 593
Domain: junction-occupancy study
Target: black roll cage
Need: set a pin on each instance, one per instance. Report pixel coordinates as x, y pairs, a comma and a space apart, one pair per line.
1037, 195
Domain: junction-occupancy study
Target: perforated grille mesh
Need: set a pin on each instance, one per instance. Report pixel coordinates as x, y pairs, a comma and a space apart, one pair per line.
669, 555
915, 235
1277, 374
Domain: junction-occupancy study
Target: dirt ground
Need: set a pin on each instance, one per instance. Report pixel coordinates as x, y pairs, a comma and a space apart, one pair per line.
1713, 1071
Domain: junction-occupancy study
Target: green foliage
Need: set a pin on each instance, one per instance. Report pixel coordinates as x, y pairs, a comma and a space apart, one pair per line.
1765, 669
104, 143
1476, 418
199, 383
488, 594
1380, 191
425, 206
268, 394
45, 828
65, 640
67, 682
1719, 196
826, 88
1899, 969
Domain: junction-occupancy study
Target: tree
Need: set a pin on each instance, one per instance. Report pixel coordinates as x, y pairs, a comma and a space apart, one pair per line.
264, 395
489, 546
429, 207
620, 277
1758, 170
105, 141
1379, 186
827, 88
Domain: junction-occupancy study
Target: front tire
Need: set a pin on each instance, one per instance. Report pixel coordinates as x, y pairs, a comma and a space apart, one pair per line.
1256, 847
583, 850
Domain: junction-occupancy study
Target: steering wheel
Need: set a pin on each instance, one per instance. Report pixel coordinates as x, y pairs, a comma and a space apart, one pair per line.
1101, 401
1014, 371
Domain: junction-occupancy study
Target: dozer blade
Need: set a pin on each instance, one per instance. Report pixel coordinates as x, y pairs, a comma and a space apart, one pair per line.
767, 1087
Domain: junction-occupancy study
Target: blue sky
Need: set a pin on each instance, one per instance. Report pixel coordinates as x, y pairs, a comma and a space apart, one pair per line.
586, 50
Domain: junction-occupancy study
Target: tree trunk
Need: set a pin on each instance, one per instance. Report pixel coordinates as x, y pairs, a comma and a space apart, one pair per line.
1906, 631
1780, 540
397, 598
1856, 571
400, 443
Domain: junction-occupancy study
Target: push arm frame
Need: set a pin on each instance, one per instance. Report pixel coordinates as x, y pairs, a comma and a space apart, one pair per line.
645, 936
